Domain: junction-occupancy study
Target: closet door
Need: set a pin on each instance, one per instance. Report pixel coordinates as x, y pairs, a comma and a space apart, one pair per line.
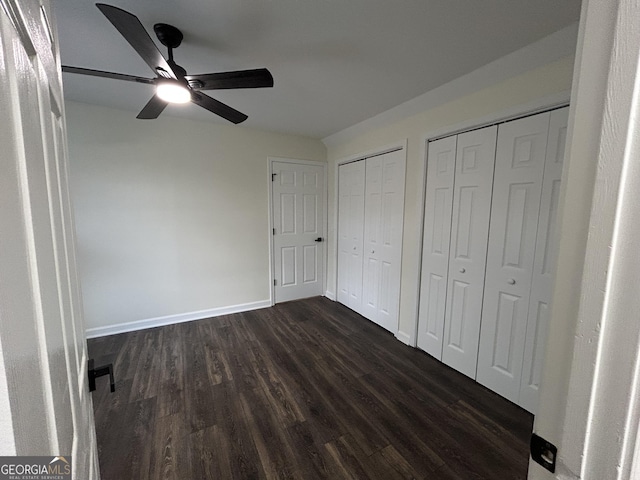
350, 233
384, 208
441, 159
475, 155
520, 158
544, 263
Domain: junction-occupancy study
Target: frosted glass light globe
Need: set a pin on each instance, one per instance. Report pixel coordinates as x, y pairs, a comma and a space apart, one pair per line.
173, 92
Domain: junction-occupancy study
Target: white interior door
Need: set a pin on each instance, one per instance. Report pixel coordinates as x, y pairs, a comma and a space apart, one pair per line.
43, 356
520, 158
441, 160
383, 225
475, 155
544, 263
298, 229
351, 182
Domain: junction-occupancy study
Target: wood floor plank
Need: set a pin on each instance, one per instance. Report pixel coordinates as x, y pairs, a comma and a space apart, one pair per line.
393, 465
343, 408
303, 390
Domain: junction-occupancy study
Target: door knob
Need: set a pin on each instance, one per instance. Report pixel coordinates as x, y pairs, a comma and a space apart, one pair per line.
319, 239
511, 281
462, 270
373, 251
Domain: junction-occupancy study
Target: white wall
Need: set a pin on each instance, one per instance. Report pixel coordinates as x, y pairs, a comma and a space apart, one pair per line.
552, 79
589, 402
171, 214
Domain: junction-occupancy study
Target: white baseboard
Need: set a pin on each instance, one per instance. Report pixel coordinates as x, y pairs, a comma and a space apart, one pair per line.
404, 338
171, 319
330, 295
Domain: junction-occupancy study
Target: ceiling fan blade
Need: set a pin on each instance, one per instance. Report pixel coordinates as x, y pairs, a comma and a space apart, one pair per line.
219, 108
258, 78
100, 73
152, 109
132, 30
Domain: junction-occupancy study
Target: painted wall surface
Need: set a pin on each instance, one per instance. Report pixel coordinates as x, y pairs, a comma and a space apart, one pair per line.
523, 89
171, 214
589, 403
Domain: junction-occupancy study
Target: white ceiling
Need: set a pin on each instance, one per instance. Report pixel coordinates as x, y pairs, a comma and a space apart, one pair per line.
334, 62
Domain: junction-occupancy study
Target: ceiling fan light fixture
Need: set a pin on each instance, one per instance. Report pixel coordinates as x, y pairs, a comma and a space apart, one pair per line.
173, 92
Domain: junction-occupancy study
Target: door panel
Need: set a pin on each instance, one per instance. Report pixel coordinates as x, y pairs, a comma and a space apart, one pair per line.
475, 157
544, 262
435, 248
384, 207
388, 291
42, 330
456, 324
288, 266
520, 158
310, 213
372, 237
510, 308
298, 219
351, 180
287, 213
310, 267
391, 228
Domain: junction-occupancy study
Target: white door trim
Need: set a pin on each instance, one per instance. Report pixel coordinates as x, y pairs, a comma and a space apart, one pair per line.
271, 161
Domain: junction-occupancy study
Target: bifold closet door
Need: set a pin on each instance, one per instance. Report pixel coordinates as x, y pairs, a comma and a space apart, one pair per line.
520, 158
384, 207
544, 263
351, 186
441, 161
475, 155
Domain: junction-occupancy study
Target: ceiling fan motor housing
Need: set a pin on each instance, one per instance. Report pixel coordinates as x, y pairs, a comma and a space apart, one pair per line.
168, 35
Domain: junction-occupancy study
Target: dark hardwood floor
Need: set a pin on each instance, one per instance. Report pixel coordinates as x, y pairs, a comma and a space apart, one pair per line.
306, 389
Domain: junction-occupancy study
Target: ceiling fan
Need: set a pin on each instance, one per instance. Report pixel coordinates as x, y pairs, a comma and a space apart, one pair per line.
172, 83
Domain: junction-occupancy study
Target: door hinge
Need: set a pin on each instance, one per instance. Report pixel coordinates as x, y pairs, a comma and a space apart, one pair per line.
274, 231
273, 177
543, 452
275, 282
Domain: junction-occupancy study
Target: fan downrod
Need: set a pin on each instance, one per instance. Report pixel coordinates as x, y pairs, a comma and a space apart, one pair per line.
168, 35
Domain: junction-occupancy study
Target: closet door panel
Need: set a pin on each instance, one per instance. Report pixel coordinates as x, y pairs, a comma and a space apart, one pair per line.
441, 159
389, 248
344, 208
520, 158
544, 262
372, 237
470, 228
351, 185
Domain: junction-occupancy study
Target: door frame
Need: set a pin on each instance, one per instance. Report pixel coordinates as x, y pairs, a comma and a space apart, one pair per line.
272, 271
